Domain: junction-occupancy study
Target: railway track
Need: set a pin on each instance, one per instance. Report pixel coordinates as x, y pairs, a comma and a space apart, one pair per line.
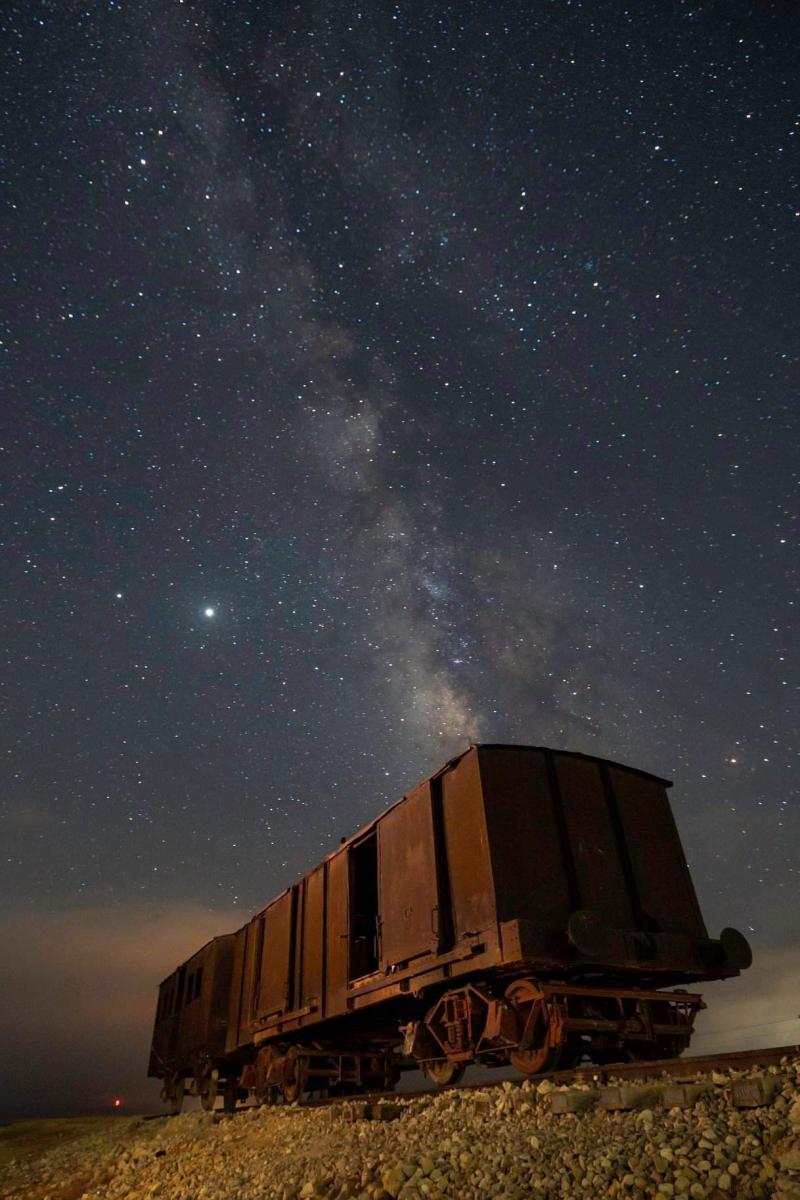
676, 1068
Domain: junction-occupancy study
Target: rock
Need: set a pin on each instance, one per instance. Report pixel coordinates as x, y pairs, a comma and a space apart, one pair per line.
392, 1181
789, 1160
496, 1143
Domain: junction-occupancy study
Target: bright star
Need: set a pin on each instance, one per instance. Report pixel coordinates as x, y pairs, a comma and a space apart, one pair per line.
209, 612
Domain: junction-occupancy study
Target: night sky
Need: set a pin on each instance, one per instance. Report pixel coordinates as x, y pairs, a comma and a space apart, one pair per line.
376, 379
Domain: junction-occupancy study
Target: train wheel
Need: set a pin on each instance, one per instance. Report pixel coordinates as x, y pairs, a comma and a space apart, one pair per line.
534, 1062
173, 1092
665, 1045
207, 1091
230, 1095
443, 1072
294, 1076
542, 1052
391, 1078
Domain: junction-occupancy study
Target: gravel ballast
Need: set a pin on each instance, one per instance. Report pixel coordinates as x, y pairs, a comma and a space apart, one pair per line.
504, 1143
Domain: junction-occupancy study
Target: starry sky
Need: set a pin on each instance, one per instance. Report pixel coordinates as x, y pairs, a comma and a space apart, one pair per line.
378, 378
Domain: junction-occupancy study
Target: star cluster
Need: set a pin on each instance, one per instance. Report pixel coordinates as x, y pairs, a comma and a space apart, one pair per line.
382, 378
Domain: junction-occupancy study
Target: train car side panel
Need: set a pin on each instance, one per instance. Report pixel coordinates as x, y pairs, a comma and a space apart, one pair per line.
337, 935
236, 998
408, 882
275, 975
467, 849
192, 1016
165, 1028
595, 854
311, 991
216, 995
662, 880
531, 876
204, 1001
252, 975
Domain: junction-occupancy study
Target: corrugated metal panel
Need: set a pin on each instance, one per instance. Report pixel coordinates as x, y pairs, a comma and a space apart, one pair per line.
467, 848
273, 992
296, 942
598, 867
337, 934
215, 993
530, 875
202, 1015
313, 931
252, 964
233, 1039
665, 889
407, 873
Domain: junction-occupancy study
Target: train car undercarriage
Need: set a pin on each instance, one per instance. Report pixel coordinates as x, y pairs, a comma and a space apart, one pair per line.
533, 1026
536, 1026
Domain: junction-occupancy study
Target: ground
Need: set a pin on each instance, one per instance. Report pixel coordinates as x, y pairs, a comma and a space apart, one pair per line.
504, 1143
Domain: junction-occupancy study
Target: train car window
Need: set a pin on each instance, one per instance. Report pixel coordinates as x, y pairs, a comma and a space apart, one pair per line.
364, 906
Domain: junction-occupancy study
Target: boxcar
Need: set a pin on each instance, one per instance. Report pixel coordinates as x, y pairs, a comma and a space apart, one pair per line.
522, 905
191, 1023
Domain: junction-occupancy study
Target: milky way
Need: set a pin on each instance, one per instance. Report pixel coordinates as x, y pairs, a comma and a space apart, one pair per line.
382, 378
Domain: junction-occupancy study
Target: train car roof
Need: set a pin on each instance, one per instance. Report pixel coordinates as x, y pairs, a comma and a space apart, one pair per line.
194, 954
451, 762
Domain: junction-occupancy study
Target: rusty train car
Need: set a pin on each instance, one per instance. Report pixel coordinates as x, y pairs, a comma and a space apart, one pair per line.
522, 905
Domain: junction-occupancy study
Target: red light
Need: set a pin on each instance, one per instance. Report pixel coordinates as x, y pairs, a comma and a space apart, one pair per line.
117, 1103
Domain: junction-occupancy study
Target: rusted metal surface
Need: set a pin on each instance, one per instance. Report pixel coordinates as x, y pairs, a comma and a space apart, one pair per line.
532, 877
665, 892
236, 995
250, 981
613, 860
536, 1025
408, 885
312, 956
192, 1015
595, 852
337, 934
467, 848
275, 974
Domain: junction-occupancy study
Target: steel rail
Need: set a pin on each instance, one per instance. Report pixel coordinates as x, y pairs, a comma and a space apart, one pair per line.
688, 1067
682, 1068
